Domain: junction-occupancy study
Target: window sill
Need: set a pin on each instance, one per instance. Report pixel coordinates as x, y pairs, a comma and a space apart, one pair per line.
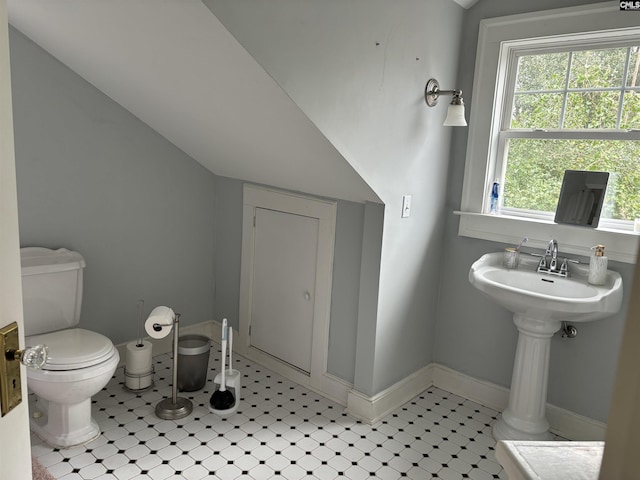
620, 246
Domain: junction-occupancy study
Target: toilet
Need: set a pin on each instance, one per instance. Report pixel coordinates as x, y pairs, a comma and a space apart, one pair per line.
79, 363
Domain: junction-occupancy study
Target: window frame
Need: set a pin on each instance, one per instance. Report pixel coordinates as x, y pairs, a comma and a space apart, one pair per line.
513, 51
500, 41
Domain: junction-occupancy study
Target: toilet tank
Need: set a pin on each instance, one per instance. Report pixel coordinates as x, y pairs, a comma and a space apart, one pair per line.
51, 289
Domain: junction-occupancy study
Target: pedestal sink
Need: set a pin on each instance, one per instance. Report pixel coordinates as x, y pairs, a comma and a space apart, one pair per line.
540, 303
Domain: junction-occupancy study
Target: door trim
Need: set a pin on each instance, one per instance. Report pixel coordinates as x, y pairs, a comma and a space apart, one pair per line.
325, 211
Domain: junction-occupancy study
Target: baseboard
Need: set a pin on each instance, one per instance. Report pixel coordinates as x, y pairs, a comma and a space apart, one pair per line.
564, 423
572, 426
326, 384
165, 345
337, 388
485, 393
371, 409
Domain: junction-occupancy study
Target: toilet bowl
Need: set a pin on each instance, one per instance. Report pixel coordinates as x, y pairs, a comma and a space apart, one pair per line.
79, 365
80, 362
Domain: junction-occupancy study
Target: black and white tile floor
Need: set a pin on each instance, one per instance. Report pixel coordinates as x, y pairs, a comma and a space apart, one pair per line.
281, 431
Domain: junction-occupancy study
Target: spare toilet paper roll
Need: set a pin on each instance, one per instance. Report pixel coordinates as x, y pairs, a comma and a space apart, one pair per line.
160, 322
138, 357
138, 368
138, 382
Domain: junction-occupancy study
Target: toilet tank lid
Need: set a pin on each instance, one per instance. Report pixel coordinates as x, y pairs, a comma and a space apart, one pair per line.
38, 260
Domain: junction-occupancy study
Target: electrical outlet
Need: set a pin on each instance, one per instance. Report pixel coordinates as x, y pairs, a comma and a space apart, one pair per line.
406, 206
10, 386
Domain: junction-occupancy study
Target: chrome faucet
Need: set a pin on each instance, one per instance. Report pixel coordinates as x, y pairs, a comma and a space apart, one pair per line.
552, 249
549, 261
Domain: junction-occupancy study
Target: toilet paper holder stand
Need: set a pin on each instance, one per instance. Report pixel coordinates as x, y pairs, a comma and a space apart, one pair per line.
175, 407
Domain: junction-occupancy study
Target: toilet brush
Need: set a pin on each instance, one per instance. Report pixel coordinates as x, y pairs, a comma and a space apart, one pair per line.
230, 351
222, 399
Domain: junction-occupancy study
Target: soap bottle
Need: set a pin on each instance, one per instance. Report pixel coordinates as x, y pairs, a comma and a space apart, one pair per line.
598, 266
495, 198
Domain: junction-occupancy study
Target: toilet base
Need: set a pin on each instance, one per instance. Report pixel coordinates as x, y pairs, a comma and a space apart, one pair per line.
62, 426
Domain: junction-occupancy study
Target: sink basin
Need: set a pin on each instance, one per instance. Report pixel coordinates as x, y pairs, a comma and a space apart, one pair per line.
540, 303
545, 296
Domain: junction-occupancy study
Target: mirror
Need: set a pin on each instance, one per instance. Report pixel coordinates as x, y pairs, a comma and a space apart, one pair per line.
581, 198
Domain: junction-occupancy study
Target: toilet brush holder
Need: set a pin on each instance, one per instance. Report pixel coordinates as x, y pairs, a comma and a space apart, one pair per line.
232, 383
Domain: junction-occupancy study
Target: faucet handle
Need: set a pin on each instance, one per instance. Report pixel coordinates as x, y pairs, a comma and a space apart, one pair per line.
564, 268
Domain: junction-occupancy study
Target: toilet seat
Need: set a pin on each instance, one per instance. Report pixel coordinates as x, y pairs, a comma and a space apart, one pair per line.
73, 349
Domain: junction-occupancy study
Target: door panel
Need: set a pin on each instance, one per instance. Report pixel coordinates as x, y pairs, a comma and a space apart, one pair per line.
15, 451
284, 275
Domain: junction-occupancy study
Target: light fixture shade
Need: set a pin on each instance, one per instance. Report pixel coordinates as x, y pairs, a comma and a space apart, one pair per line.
455, 116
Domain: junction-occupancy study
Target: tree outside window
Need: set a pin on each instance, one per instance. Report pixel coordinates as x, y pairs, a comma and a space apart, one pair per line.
573, 110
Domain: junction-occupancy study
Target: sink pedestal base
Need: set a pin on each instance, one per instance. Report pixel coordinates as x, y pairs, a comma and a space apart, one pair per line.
524, 418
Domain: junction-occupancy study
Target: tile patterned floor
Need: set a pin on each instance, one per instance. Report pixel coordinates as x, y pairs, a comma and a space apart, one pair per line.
281, 431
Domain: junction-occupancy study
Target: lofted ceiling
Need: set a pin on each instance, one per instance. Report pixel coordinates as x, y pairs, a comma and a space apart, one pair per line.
172, 64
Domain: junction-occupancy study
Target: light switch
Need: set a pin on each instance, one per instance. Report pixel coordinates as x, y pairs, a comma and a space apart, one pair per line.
406, 206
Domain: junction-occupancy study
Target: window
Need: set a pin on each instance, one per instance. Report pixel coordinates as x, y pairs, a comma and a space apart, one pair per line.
554, 90
571, 110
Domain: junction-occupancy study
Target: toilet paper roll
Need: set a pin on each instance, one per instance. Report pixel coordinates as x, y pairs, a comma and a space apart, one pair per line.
138, 357
138, 382
138, 369
160, 322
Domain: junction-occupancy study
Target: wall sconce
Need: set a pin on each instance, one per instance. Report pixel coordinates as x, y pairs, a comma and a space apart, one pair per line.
455, 113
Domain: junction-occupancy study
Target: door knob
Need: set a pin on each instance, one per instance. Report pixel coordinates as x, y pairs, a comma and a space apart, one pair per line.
34, 357
10, 383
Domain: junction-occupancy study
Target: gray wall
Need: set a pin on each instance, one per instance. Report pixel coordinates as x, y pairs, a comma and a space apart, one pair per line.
358, 70
227, 249
93, 178
150, 221
345, 289
475, 336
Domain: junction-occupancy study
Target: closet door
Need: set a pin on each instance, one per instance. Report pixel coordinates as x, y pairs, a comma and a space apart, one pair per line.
284, 276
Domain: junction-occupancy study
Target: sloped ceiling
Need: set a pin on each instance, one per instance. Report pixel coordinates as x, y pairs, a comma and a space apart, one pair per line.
175, 66
466, 3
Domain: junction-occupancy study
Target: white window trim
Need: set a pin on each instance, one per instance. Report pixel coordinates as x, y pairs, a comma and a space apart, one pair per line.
621, 246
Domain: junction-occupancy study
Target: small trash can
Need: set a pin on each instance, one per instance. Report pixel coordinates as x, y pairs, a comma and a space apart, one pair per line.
193, 362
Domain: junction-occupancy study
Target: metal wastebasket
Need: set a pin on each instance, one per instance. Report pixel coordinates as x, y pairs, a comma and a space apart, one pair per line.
193, 362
